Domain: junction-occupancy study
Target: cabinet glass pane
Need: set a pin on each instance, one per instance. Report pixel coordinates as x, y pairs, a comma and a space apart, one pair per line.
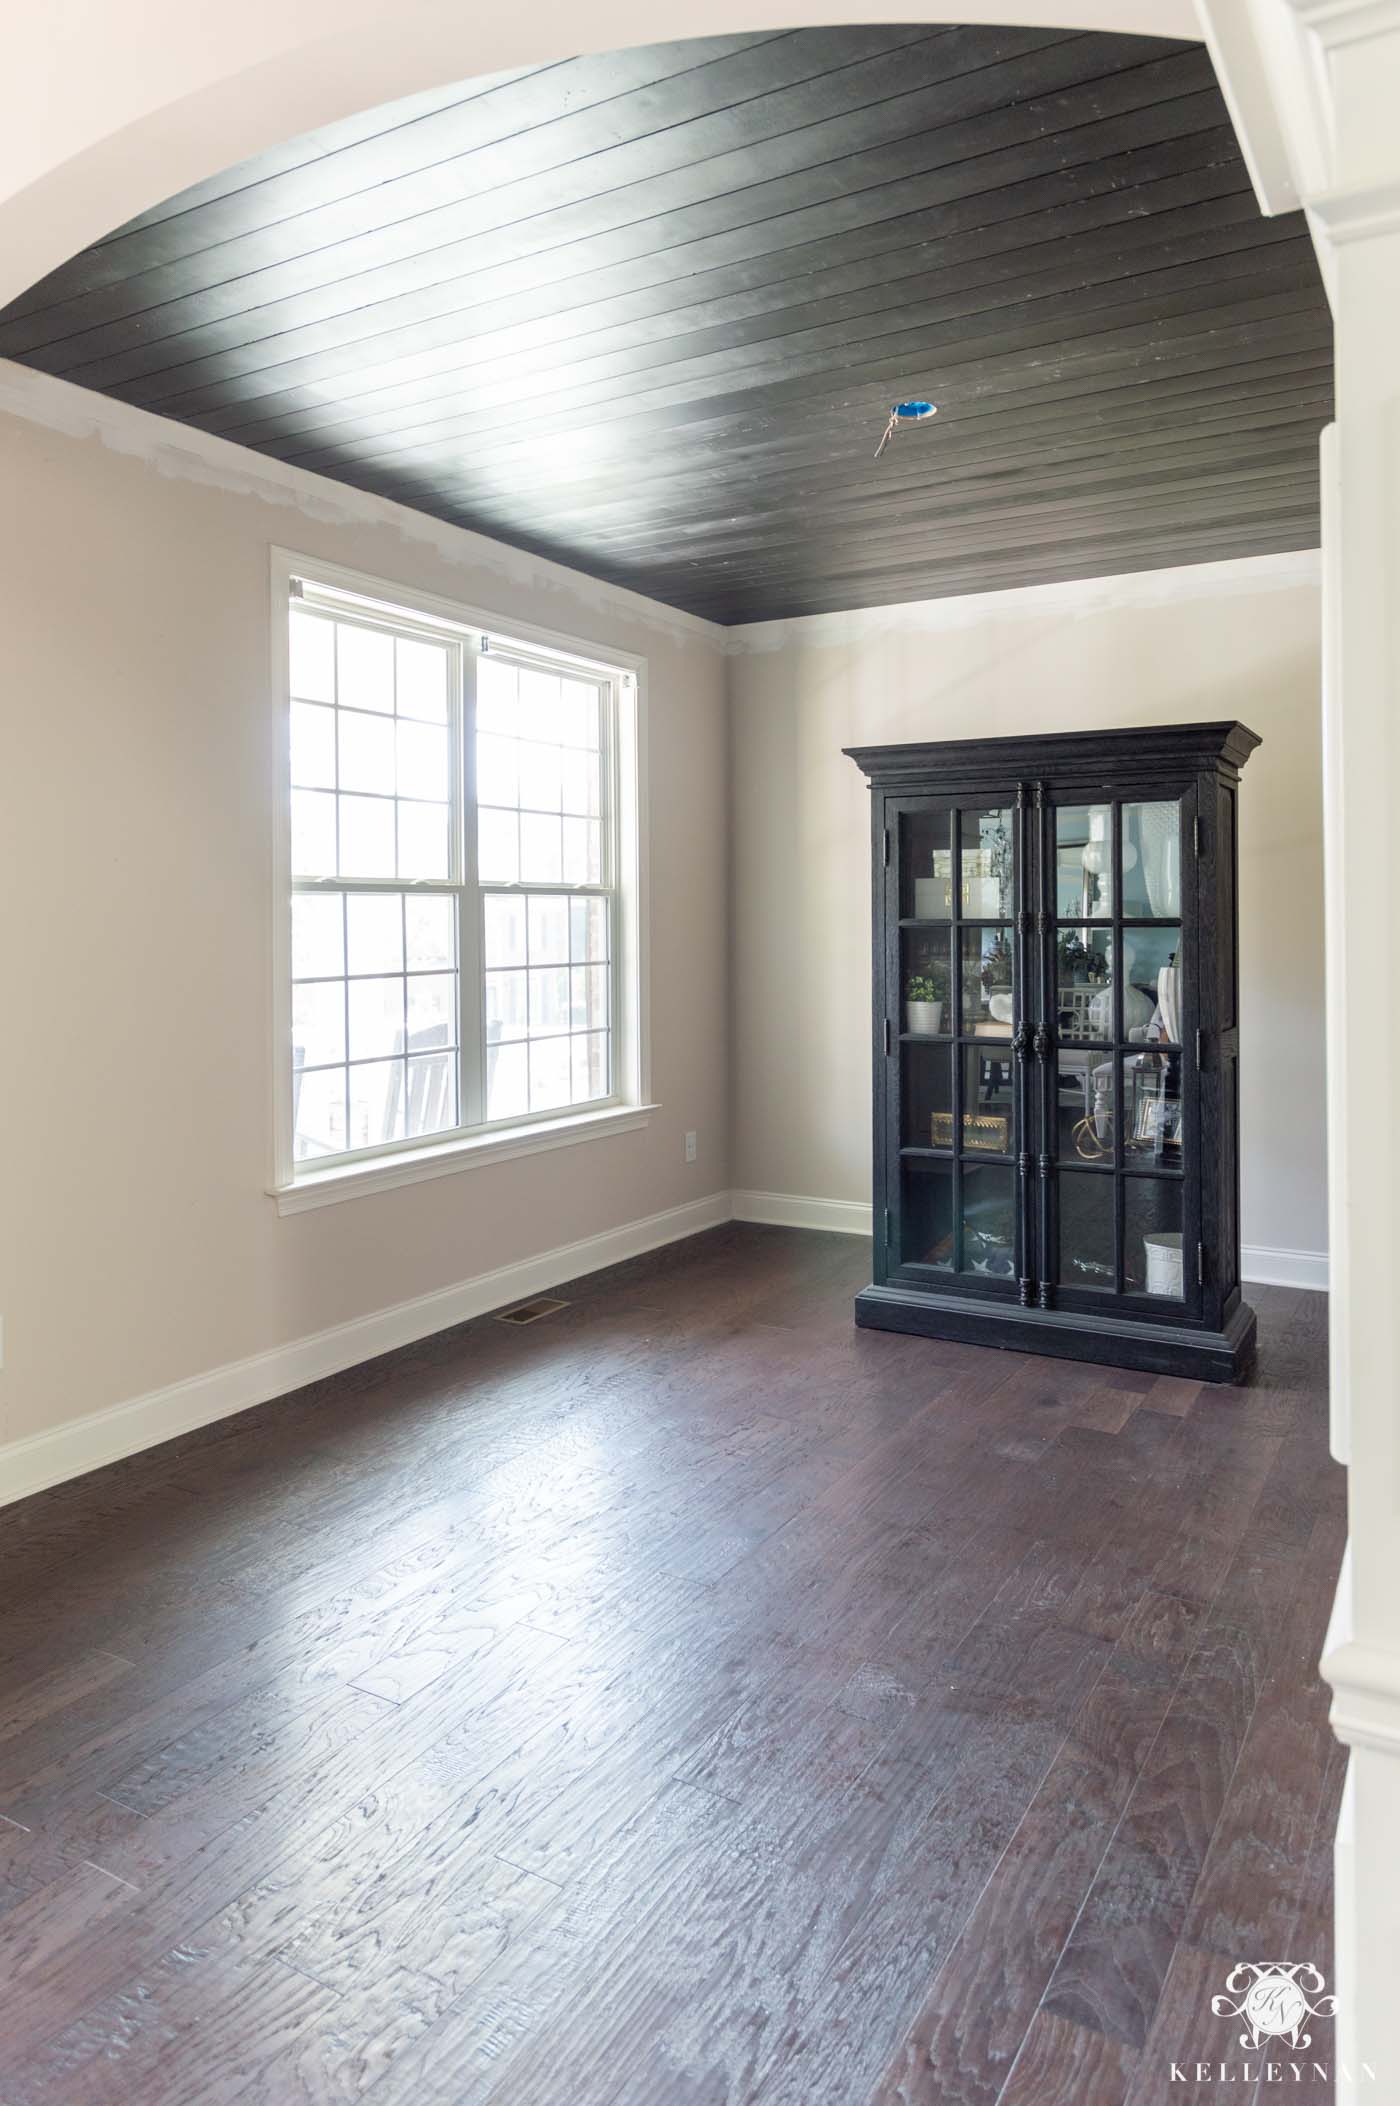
1152, 1236
986, 982
1151, 986
986, 868
1151, 1103
988, 1102
1084, 984
1084, 1104
926, 866
989, 1222
1083, 861
927, 996
1152, 861
926, 1214
1086, 1229
928, 1096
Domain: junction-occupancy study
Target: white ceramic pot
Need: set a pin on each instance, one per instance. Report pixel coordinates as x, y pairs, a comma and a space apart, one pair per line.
925, 1018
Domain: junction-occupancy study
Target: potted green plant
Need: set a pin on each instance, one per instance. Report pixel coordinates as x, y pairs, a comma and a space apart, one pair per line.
1072, 960
924, 996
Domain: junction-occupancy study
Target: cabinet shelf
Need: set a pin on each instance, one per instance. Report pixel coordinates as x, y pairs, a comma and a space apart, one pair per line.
982, 1039
947, 1155
1102, 1221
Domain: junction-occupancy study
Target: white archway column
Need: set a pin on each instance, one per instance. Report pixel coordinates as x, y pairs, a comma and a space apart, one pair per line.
1362, 766
1315, 88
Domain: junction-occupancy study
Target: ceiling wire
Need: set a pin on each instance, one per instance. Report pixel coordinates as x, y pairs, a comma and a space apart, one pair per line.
905, 413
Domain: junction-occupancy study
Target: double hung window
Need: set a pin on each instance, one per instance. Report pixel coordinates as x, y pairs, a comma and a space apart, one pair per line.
456, 905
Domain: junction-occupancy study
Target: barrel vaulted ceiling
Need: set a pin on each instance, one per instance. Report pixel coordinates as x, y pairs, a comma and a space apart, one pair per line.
646, 313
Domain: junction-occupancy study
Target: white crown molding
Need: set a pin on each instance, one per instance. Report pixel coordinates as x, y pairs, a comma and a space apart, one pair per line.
1281, 66
1362, 215
1339, 23
188, 455
1284, 571
71, 1450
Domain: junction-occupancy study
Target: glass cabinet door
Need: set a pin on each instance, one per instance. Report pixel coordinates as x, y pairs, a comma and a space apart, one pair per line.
1115, 987
956, 982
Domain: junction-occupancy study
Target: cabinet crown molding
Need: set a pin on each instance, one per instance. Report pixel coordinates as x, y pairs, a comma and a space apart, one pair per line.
1192, 746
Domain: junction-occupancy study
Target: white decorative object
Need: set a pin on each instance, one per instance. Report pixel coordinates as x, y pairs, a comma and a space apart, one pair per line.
1000, 1005
1097, 858
1163, 1250
1169, 1002
1159, 829
1137, 1009
1076, 1012
982, 885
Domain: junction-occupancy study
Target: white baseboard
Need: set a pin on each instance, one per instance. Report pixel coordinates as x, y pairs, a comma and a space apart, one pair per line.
1259, 1263
848, 1217
45, 1459
1284, 1268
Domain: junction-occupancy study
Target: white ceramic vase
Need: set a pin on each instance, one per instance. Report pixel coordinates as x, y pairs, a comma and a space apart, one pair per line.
1159, 830
1169, 1002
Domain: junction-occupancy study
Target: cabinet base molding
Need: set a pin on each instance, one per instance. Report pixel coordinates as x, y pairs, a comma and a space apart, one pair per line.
1114, 1341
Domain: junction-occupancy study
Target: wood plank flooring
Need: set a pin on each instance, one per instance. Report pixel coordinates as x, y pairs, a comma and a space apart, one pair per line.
686, 1699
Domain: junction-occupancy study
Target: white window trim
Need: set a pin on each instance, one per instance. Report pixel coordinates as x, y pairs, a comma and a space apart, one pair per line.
296, 1189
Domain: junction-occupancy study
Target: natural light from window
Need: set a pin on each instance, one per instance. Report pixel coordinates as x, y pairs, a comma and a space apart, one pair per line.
454, 855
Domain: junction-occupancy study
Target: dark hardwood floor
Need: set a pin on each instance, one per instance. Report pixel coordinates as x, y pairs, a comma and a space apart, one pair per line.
687, 1698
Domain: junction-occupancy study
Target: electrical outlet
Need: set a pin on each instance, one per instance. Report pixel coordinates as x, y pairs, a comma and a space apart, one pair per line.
690, 1148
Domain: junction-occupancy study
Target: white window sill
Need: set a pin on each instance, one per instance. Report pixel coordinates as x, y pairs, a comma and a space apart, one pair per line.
324, 1188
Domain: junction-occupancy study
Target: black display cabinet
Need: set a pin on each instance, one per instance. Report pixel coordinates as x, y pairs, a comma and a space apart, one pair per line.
1057, 1045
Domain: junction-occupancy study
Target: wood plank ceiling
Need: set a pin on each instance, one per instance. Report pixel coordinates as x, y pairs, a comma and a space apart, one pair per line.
646, 312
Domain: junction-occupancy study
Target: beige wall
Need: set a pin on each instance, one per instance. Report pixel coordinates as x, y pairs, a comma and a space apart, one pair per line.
1217, 641
136, 783
136, 780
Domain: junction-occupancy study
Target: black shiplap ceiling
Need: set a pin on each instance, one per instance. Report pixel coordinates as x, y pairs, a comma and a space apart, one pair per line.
646, 313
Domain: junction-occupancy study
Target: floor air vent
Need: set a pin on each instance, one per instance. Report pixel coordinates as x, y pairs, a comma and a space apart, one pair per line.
529, 1312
